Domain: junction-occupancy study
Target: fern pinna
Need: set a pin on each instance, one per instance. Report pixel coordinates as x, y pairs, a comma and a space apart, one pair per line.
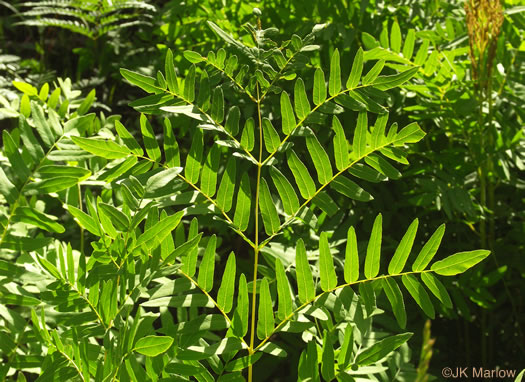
263, 163
90, 18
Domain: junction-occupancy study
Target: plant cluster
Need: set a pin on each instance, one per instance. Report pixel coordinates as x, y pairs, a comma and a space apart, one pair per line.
219, 231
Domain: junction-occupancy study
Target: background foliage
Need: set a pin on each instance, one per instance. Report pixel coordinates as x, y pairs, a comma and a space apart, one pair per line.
60, 72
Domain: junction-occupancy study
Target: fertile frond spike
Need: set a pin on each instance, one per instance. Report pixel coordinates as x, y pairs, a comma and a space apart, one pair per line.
326, 264
373, 251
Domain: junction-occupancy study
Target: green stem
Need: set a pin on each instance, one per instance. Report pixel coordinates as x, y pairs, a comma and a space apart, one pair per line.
81, 228
256, 241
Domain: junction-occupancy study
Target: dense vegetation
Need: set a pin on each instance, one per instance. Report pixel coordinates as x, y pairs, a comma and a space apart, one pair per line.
228, 190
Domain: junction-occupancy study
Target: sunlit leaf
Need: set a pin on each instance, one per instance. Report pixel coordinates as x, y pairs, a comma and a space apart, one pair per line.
373, 251
459, 262
265, 319
152, 346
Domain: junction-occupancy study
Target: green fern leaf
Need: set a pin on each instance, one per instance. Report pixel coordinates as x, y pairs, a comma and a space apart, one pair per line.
429, 250
227, 186
171, 147
305, 281
171, 77
395, 297
340, 145
242, 209
328, 358
398, 261
189, 85
209, 171
351, 267
271, 136
302, 106
150, 142
320, 159
326, 264
287, 115
357, 70
359, 143
217, 107
247, 137
268, 210
241, 318
265, 322
128, 139
419, 294
334, 83
283, 291
459, 262
285, 190
437, 288
194, 159
232, 120
373, 251
303, 179
319, 95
